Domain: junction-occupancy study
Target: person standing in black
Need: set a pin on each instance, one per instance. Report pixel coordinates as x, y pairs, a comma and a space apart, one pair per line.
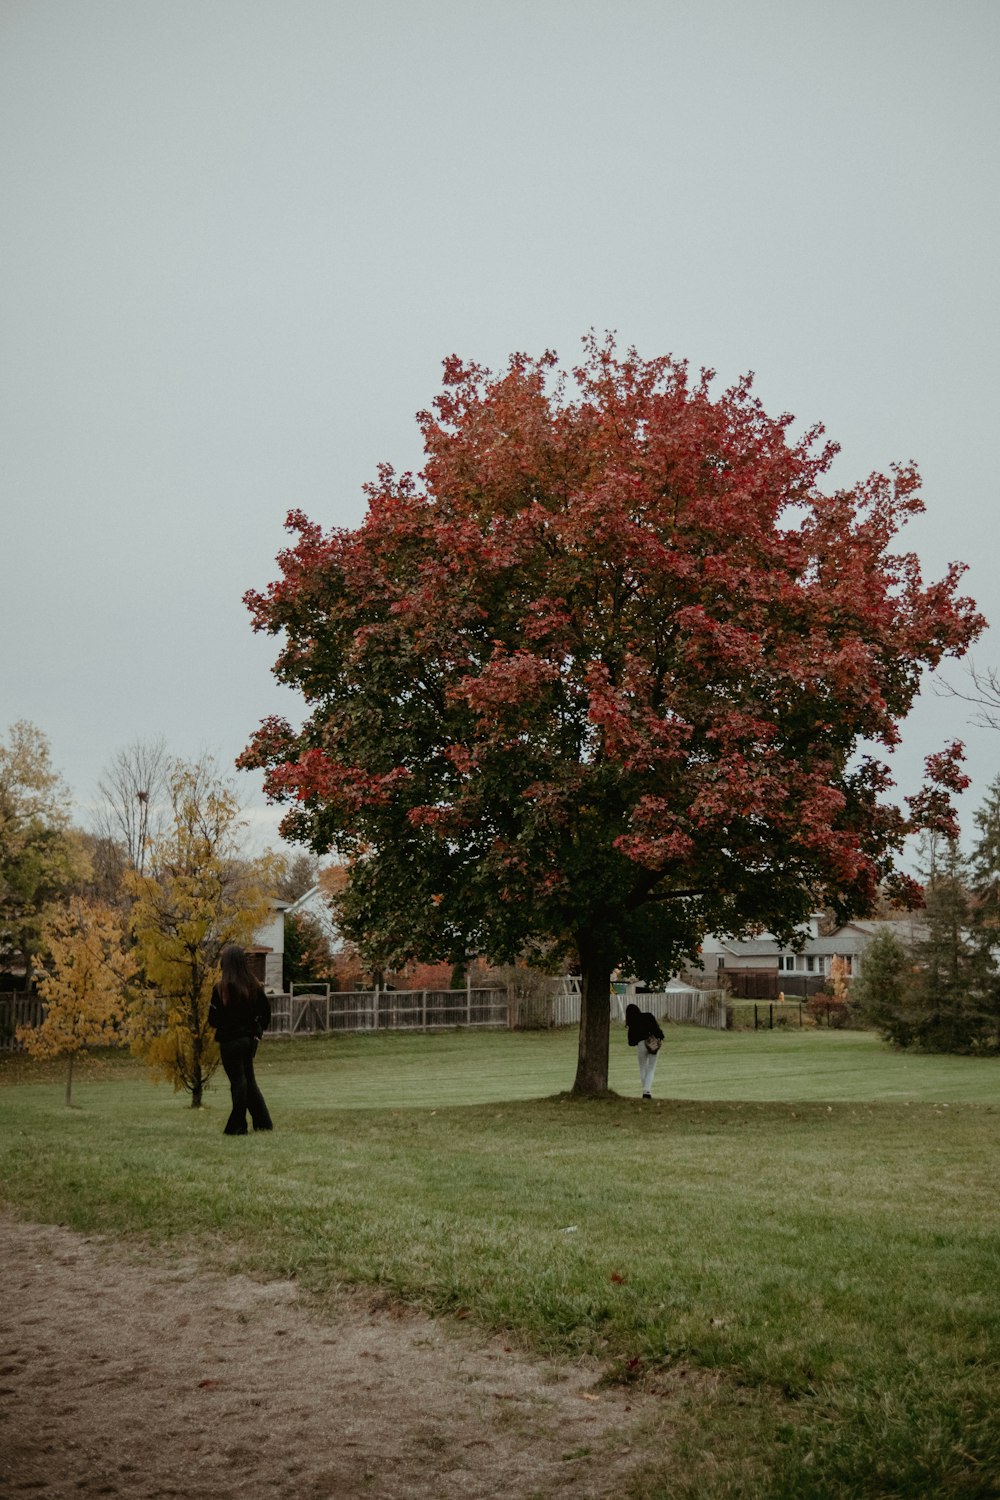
240, 1013
645, 1036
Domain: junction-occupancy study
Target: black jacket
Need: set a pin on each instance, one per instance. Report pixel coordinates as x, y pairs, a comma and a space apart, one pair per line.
641, 1024
240, 1018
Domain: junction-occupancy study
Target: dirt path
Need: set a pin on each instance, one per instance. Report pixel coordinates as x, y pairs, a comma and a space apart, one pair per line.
142, 1381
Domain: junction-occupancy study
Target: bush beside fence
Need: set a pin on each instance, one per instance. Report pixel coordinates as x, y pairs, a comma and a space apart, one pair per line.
821, 1010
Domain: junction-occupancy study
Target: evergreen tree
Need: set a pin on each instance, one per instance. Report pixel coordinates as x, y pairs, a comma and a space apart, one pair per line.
936, 996
984, 881
884, 990
948, 1018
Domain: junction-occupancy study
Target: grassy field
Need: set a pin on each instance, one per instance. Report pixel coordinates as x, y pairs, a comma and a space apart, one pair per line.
807, 1215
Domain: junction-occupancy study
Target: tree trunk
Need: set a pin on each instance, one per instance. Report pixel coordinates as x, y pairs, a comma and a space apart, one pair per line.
69, 1080
595, 1026
197, 1072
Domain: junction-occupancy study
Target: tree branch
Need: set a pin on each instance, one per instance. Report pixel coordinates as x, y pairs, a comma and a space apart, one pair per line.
986, 696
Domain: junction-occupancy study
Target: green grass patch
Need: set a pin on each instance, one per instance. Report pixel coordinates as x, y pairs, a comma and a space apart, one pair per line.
429, 1071
808, 1215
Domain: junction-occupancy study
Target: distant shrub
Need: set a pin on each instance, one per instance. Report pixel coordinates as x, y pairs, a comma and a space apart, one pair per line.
769, 1013
529, 992
829, 1010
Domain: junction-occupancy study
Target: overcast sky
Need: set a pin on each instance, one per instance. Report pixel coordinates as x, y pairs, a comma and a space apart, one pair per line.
237, 238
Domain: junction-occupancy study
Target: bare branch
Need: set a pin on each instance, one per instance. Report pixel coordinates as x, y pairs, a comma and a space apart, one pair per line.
985, 694
134, 788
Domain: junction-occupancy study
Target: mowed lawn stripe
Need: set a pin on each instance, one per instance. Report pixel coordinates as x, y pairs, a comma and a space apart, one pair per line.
428, 1071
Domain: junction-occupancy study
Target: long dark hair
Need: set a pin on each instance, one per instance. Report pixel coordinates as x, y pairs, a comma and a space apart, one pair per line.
237, 981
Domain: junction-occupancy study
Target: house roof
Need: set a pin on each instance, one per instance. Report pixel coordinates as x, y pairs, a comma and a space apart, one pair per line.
852, 938
844, 940
750, 947
304, 901
316, 903
909, 928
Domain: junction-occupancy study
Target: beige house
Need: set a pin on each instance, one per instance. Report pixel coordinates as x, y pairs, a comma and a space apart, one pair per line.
812, 960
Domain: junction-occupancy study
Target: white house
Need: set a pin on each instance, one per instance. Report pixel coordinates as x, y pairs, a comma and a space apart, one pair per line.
267, 951
315, 903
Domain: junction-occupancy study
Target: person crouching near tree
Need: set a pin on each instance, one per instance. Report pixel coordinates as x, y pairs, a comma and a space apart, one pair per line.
240, 1013
645, 1036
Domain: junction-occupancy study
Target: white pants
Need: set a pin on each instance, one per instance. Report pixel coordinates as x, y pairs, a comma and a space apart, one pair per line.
647, 1066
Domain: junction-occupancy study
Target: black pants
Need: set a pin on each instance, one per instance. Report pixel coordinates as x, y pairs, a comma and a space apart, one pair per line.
237, 1059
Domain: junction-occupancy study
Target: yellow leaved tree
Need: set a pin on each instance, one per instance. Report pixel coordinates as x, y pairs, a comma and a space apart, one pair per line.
42, 857
87, 974
196, 893
840, 976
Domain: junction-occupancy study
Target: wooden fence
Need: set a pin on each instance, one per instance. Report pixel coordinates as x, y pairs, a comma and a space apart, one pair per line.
697, 1007
322, 1009
319, 1009
766, 984
17, 1009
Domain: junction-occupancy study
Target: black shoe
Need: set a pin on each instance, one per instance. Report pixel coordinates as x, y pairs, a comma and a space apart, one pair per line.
647, 1096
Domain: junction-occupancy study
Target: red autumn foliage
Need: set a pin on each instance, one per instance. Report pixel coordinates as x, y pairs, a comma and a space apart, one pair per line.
418, 976
605, 676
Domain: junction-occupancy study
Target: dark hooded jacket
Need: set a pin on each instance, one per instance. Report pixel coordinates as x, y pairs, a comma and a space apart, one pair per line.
641, 1024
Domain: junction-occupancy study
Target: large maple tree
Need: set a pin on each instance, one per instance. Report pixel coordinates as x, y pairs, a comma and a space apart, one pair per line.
608, 674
